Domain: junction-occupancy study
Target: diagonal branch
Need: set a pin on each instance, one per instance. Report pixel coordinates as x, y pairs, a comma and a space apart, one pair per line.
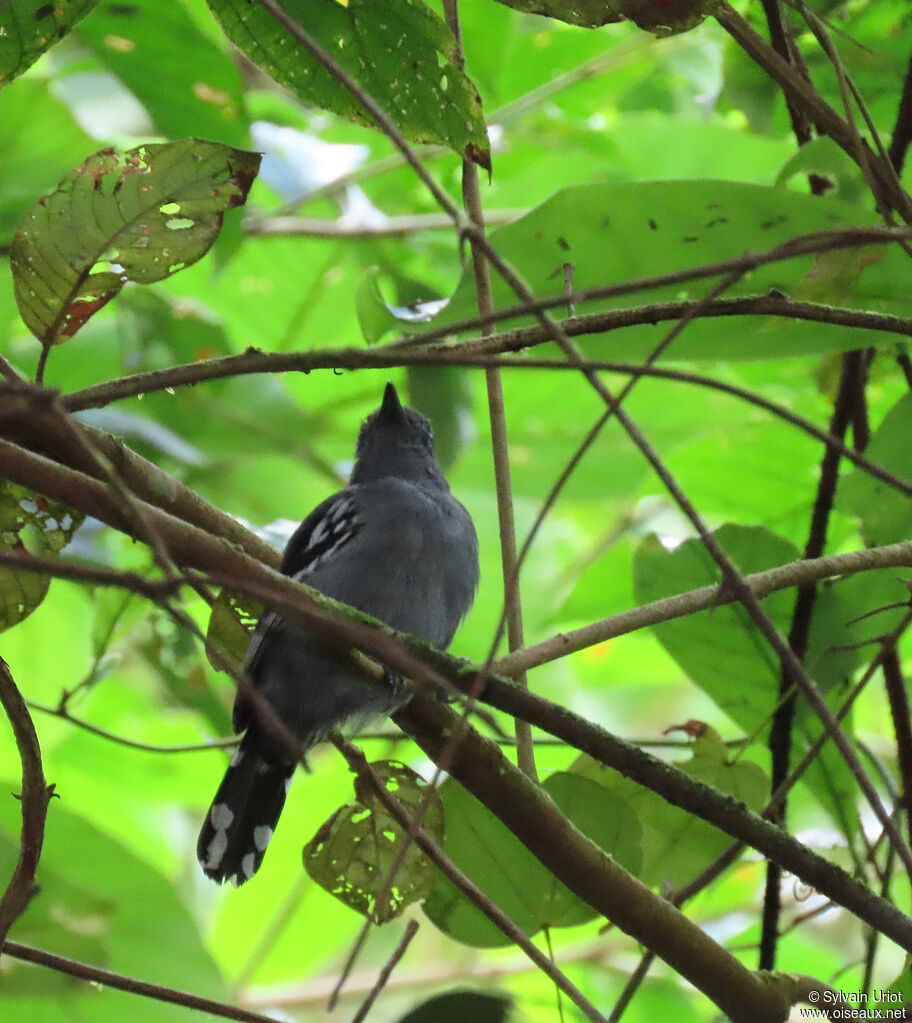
132, 985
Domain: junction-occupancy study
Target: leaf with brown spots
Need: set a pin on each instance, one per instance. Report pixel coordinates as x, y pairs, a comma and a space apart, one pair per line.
136, 216
28, 28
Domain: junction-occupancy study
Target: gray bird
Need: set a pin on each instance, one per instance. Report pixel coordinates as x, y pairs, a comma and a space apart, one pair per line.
395, 544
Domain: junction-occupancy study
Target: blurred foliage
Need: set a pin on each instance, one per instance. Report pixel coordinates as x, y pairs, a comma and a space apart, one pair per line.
636, 155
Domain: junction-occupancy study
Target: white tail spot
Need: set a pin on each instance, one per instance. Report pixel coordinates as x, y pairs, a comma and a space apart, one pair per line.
221, 816
216, 850
261, 836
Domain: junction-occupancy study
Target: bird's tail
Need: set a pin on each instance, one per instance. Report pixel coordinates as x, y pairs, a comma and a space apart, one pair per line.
243, 814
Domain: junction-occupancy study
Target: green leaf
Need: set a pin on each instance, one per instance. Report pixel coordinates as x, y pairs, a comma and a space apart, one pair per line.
499, 864
135, 216
352, 854
29, 524
676, 846
822, 156
399, 51
231, 625
199, 93
626, 230
608, 820
504, 869
38, 141
417, 302
884, 512
724, 653
29, 28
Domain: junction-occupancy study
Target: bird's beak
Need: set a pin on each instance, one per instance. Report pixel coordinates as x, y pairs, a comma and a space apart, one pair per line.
390, 407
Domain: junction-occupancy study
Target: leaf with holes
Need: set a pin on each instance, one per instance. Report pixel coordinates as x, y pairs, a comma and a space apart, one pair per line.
28, 28
29, 524
352, 855
135, 216
399, 51
231, 625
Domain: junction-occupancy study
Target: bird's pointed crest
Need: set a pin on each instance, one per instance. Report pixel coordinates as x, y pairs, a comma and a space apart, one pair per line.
391, 407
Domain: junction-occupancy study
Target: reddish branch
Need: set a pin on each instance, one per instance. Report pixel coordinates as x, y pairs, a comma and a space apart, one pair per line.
35, 796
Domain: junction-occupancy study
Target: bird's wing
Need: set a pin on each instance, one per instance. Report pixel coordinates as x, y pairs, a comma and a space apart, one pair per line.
326, 530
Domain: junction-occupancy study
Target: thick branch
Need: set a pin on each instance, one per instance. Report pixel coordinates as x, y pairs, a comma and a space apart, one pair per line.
528, 811
29, 417
681, 790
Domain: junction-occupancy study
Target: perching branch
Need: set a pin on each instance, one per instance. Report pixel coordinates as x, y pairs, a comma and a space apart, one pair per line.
528, 811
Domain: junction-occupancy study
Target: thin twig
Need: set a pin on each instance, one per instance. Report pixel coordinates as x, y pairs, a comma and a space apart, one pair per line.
411, 929
120, 740
391, 227
682, 791
769, 305
459, 355
813, 105
132, 985
512, 601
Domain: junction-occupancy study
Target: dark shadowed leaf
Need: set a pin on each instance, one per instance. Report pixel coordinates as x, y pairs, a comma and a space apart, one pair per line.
461, 1007
353, 852
135, 216
30, 27
399, 51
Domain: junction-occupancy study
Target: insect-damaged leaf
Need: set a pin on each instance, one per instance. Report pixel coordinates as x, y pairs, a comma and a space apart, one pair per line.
353, 852
135, 216
230, 628
30, 27
46, 527
399, 51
